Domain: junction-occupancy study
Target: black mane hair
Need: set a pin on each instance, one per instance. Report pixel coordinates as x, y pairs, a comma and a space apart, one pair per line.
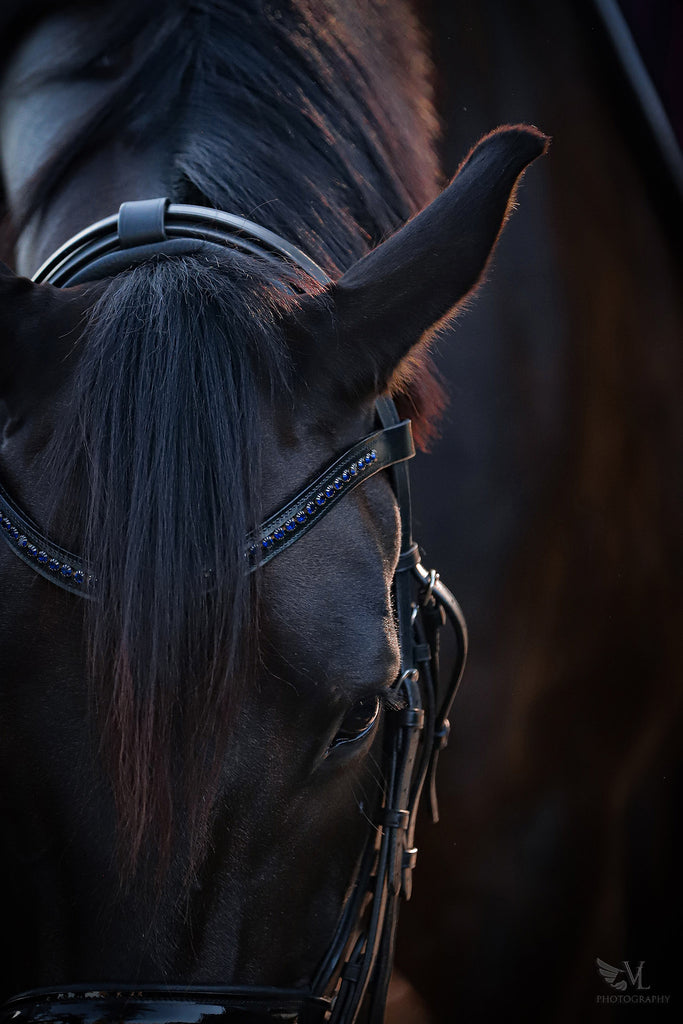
312, 116
315, 119
163, 431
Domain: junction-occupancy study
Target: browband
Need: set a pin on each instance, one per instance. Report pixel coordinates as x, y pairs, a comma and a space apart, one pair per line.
364, 459
380, 450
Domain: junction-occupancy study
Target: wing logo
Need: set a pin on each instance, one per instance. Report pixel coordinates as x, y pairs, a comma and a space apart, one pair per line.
610, 974
619, 978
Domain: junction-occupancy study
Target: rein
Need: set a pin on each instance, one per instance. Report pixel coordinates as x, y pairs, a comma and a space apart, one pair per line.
351, 982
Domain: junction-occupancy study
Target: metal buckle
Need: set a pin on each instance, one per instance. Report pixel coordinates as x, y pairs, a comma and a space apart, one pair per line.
433, 580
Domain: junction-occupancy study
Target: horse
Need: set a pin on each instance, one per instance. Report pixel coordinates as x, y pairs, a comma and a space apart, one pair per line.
217, 715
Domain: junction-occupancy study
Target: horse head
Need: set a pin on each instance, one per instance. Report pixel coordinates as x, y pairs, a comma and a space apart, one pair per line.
194, 756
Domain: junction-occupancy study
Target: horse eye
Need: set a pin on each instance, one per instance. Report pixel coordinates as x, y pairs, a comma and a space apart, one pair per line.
358, 721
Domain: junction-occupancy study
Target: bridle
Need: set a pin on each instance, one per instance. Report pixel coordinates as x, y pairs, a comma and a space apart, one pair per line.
351, 982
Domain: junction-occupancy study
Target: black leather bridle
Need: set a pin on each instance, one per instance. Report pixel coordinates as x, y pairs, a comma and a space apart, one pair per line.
351, 982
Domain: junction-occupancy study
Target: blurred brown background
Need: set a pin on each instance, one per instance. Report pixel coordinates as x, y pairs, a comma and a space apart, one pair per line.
551, 507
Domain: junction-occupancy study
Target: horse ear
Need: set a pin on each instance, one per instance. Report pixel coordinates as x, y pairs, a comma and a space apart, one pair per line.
39, 325
357, 331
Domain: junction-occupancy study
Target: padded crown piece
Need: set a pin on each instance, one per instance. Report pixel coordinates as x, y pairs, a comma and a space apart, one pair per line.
150, 227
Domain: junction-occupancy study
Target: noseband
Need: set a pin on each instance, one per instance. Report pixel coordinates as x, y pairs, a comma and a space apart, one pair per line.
351, 982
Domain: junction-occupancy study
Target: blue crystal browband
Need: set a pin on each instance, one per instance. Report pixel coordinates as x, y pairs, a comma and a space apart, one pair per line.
48, 559
140, 231
374, 453
378, 451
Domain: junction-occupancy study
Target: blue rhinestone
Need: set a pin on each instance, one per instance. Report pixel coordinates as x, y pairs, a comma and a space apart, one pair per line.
267, 542
310, 508
23, 541
6, 523
14, 533
79, 575
346, 476
290, 525
53, 564
301, 517
66, 570
32, 550
320, 499
43, 557
361, 463
373, 455
338, 484
353, 469
329, 490
279, 534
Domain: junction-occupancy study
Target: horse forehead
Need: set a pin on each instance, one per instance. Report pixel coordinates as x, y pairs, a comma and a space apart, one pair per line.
328, 597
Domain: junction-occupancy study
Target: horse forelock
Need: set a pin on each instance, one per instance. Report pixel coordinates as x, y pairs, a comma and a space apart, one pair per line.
165, 430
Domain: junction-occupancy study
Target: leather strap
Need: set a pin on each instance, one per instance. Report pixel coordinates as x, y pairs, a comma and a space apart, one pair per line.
142, 223
367, 969
43, 555
156, 222
161, 1004
387, 447
297, 516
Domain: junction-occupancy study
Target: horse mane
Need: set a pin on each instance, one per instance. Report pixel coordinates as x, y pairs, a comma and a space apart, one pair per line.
172, 630
325, 135
314, 116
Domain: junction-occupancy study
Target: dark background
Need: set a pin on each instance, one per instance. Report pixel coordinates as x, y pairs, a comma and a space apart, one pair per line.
551, 506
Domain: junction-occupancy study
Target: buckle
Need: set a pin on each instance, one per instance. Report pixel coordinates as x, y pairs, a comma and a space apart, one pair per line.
411, 718
396, 819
